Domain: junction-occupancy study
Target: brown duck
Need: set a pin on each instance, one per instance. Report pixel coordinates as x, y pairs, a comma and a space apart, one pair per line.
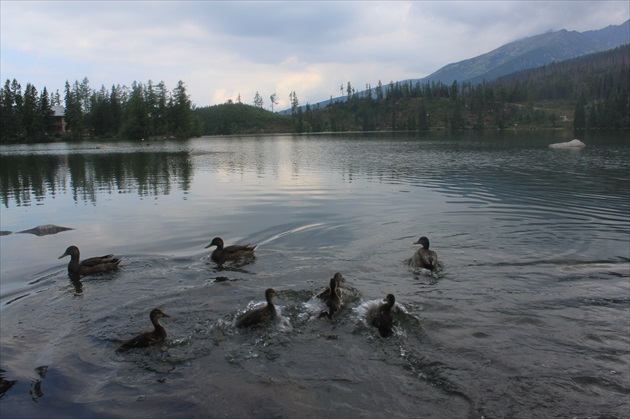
333, 299
89, 266
425, 258
154, 337
339, 279
383, 318
234, 252
259, 315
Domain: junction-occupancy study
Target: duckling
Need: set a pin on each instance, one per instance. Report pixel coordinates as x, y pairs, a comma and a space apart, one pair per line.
89, 266
154, 337
383, 317
333, 300
235, 252
425, 258
259, 315
339, 279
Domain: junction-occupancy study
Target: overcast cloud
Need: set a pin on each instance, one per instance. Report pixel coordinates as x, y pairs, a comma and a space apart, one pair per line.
223, 49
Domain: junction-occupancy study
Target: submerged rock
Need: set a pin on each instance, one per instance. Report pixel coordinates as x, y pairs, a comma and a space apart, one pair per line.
45, 230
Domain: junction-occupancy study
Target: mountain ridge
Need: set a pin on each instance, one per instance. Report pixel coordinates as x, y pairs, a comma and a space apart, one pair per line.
522, 54
534, 51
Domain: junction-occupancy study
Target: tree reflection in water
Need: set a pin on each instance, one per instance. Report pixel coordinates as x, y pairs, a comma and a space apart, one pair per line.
28, 179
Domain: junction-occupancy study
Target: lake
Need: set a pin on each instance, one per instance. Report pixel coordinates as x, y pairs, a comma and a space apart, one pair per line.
529, 316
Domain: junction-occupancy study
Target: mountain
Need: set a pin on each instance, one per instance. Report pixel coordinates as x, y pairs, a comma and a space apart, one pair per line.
523, 54
531, 52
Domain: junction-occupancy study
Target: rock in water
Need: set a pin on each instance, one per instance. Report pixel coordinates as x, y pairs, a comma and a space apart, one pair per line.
45, 230
569, 144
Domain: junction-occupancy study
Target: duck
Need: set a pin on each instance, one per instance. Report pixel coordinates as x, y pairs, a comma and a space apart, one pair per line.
333, 299
383, 318
234, 252
339, 279
154, 337
425, 258
89, 266
259, 315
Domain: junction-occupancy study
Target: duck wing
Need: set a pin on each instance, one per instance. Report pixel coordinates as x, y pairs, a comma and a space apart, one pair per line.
98, 260
383, 320
323, 295
256, 316
425, 259
142, 341
238, 249
249, 319
99, 264
234, 252
434, 260
334, 304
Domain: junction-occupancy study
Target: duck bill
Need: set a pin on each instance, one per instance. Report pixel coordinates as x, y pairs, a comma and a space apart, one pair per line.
417, 242
63, 256
210, 245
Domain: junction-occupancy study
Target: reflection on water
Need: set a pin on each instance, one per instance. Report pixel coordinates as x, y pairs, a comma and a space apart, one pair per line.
31, 179
36, 387
5, 384
528, 318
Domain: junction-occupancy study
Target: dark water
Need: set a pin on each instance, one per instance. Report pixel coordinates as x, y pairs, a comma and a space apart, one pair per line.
529, 318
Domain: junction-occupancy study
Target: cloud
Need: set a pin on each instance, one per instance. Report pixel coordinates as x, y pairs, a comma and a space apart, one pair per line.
224, 48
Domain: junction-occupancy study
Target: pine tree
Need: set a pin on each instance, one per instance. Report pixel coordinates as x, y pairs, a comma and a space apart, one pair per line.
8, 114
579, 115
115, 107
274, 100
46, 115
135, 115
258, 100
161, 111
379, 91
182, 118
74, 113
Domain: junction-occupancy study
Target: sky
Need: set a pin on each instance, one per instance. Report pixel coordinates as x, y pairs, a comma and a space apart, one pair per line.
223, 50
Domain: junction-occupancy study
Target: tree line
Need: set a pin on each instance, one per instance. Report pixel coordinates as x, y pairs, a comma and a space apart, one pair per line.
140, 111
597, 84
589, 92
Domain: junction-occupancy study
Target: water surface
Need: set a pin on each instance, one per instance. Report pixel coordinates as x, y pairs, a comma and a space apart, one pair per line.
529, 317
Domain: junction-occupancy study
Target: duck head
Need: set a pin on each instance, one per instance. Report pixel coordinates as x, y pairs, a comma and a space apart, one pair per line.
71, 251
339, 278
269, 294
217, 241
156, 313
424, 242
391, 300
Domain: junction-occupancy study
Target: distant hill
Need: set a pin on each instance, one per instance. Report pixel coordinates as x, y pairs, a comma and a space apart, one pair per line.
239, 118
532, 52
